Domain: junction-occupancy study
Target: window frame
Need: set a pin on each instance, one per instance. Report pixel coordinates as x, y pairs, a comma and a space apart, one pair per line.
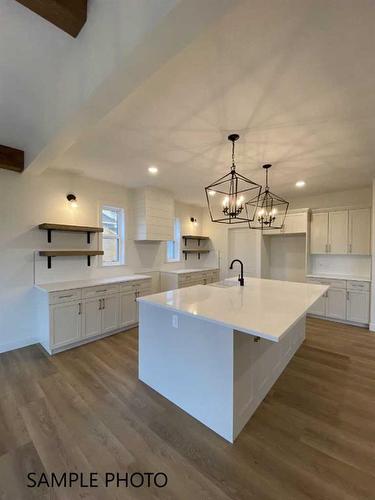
120, 237
176, 241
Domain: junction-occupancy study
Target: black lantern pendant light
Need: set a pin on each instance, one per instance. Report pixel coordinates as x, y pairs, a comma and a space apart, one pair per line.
270, 209
227, 196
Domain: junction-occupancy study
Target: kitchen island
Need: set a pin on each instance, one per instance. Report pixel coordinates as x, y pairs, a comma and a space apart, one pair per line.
216, 350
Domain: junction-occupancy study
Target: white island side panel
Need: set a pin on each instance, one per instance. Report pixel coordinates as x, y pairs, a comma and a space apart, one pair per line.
191, 365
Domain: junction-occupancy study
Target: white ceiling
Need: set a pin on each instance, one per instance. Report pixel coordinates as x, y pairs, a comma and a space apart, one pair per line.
295, 78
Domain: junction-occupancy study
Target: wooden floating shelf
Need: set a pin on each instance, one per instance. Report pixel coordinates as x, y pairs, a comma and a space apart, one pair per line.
69, 229
196, 251
186, 237
69, 253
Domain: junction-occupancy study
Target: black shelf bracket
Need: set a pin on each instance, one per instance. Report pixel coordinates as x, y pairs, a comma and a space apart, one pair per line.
89, 260
49, 262
49, 235
88, 237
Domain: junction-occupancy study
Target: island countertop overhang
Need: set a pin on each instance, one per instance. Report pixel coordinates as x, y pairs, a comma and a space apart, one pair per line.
264, 308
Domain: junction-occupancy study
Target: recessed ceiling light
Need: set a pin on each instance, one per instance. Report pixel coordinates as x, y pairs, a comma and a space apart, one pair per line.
300, 184
153, 170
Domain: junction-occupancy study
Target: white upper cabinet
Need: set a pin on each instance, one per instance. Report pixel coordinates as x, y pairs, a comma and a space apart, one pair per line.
319, 233
338, 232
154, 215
359, 232
295, 223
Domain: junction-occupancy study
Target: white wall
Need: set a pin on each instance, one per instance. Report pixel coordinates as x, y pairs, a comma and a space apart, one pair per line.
287, 257
335, 199
25, 202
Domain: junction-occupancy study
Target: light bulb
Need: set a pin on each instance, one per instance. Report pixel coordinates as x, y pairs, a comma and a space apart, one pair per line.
211, 192
225, 201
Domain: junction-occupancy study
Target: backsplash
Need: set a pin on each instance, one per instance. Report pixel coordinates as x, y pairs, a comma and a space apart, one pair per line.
357, 265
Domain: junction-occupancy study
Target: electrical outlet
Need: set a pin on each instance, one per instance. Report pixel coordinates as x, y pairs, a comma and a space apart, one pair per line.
175, 321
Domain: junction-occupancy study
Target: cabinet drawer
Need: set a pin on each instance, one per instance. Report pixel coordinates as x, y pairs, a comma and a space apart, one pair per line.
144, 285
65, 296
185, 277
130, 286
363, 286
126, 287
99, 291
333, 283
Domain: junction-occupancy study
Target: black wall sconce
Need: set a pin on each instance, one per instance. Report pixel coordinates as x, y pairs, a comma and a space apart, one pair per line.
72, 198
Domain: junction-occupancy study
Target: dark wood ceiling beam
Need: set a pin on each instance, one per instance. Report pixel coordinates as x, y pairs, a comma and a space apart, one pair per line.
12, 159
68, 15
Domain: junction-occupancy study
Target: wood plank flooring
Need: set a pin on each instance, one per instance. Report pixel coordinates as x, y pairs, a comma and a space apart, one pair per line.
84, 410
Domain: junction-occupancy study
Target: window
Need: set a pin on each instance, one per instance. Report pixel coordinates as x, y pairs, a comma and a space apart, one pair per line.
112, 220
173, 247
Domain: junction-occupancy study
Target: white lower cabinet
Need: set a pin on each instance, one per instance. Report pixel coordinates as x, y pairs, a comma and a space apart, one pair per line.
358, 307
171, 280
345, 300
110, 313
80, 314
92, 317
128, 308
319, 308
336, 303
100, 315
65, 323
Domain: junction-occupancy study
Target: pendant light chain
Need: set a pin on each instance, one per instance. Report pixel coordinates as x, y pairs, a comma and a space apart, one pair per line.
233, 164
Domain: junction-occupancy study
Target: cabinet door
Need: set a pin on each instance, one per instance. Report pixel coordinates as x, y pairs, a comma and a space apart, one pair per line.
338, 232
140, 293
92, 317
110, 313
358, 307
360, 231
319, 308
336, 304
65, 320
128, 309
319, 233
295, 223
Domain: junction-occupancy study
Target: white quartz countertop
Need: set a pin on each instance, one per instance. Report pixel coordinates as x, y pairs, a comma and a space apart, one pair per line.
264, 308
186, 271
347, 277
70, 285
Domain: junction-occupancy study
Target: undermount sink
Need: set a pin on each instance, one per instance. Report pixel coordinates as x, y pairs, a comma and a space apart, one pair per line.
224, 284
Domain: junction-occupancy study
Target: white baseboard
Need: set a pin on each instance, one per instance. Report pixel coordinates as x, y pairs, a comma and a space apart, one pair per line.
372, 327
17, 344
